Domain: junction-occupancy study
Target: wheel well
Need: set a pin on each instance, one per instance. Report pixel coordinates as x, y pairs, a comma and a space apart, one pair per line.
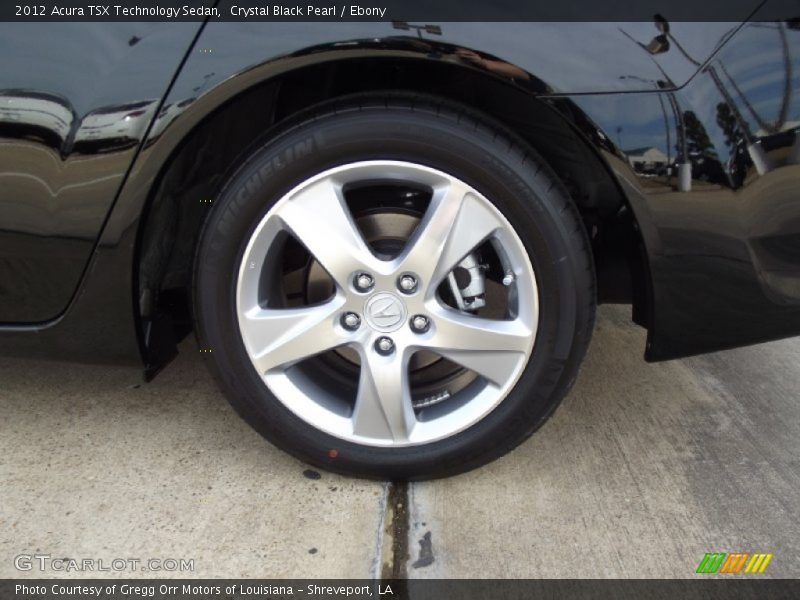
189, 181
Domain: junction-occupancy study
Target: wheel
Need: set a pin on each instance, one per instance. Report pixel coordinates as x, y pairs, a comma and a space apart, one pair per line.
394, 287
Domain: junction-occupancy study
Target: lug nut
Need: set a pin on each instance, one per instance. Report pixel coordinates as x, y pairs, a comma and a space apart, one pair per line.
384, 345
420, 324
364, 282
508, 279
351, 321
407, 284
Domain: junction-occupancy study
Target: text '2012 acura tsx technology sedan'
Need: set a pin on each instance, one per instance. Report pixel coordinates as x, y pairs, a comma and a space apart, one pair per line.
390, 238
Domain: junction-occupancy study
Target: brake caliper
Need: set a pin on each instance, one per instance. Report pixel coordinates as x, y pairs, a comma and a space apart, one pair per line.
468, 283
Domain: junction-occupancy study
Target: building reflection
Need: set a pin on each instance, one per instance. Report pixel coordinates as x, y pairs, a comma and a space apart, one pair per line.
40, 118
738, 118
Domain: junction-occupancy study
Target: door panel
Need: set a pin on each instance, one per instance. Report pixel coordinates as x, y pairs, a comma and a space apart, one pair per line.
76, 100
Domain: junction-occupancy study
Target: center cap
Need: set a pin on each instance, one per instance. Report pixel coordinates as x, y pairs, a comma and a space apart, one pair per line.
385, 312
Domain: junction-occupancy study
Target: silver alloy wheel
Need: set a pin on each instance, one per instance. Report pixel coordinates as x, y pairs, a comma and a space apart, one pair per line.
457, 220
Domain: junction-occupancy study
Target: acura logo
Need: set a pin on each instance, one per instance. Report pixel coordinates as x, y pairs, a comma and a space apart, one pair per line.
385, 312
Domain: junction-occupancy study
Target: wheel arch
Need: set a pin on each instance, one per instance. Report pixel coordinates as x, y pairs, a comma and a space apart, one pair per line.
187, 158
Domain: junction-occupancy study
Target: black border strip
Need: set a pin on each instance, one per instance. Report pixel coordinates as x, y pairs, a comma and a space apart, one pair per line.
419, 12
730, 588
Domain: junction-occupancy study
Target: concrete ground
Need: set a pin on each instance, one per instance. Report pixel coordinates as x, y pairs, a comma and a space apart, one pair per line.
642, 470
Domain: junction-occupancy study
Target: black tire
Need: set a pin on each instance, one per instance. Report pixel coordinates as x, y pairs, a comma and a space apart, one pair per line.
449, 138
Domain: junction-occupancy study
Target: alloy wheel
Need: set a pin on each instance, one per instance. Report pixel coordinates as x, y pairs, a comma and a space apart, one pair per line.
385, 310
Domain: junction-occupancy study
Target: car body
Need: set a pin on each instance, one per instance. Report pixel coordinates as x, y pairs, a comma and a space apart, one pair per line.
113, 147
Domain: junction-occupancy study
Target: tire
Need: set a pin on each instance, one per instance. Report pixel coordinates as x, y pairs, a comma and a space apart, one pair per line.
403, 136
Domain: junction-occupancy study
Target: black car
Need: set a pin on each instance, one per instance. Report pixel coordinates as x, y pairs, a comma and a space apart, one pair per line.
390, 238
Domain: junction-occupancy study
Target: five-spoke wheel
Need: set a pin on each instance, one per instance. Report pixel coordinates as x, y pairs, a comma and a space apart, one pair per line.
387, 308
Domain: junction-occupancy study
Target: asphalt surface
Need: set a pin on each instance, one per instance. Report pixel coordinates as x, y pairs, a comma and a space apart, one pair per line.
643, 469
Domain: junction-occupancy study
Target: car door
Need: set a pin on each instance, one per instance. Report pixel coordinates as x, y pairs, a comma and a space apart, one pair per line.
76, 100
